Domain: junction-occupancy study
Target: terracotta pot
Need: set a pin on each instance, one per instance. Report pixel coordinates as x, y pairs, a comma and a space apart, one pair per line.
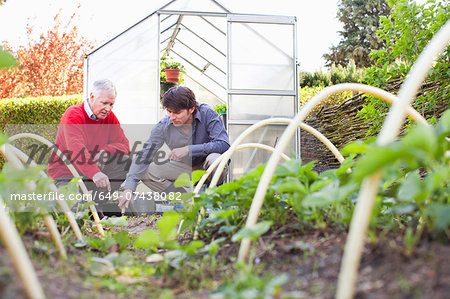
172, 75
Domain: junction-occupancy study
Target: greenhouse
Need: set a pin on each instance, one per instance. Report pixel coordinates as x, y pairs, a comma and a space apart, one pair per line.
246, 61
369, 219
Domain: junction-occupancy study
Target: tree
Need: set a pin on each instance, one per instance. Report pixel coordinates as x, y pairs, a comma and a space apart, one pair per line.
359, 38
406, 32
51, 66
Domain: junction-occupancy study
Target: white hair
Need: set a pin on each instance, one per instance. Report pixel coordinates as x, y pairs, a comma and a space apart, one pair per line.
104, 84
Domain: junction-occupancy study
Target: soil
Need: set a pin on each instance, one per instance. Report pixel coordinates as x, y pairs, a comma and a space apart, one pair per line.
310, 258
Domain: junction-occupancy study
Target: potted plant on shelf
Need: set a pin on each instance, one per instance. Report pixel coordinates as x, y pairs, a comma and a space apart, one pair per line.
171, 72
221, 109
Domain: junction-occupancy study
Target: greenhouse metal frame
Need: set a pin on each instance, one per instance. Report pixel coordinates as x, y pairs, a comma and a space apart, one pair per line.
247, 61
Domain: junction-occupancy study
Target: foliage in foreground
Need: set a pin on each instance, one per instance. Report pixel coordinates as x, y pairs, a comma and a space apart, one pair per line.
406, 33
412, 195
414, 199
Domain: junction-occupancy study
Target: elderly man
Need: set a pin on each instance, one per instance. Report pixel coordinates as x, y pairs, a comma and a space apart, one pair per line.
196, 136
91, 137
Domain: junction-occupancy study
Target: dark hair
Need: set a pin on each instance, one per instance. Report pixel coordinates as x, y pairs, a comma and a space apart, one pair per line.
179, 98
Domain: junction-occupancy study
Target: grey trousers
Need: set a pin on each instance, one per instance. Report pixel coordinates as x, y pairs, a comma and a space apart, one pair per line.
160, 177
116, 169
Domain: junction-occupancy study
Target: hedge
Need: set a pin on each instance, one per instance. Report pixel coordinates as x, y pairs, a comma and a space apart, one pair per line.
40, 115
39, 110
336, 74
306, 93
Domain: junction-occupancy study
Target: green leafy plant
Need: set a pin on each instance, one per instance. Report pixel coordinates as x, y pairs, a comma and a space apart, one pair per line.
337, 74
416, 175
415, 184
165, 238
104, 244
220, 108
295, 191
253, 232
247, 283
406, 32
306, 93
229, 204
170, 63
26, 205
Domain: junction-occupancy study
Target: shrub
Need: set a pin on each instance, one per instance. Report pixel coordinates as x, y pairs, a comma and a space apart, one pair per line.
406, 32
337, 74
40, 115
318, 78
306, 93
348, 74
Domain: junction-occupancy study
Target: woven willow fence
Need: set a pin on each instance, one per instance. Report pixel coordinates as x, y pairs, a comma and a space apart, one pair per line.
341, 124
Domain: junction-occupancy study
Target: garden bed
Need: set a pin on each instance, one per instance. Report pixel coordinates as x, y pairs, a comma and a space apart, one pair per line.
310, 257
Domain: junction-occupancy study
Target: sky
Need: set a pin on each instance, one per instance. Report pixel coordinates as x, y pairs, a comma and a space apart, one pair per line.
101, 20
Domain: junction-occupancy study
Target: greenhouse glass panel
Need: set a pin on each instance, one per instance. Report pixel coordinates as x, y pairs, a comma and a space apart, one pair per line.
262, 83
131, 61
199, 42
247, 159
258, 107
268, 63
246, 61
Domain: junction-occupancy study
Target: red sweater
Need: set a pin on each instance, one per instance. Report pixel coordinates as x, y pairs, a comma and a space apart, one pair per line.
81, 138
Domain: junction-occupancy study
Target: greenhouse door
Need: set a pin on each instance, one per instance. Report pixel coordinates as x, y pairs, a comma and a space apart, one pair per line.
262, 82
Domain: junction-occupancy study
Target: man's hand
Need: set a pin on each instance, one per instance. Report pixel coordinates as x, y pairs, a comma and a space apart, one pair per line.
124, 200
101, 180
178, 153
